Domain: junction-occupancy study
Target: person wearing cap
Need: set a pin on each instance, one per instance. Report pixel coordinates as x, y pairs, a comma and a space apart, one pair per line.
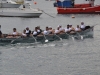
0, 32
28, 32
82, 26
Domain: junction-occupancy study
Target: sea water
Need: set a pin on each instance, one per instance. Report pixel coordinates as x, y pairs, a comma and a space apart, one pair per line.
66, 57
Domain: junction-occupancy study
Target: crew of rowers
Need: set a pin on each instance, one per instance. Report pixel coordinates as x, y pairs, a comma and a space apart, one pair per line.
48, 30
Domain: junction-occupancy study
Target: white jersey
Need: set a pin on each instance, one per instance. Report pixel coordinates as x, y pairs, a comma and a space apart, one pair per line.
82, 26
38, 30
61, 29
34, 33
70, 29
67, 30
14, 33
46, 32
56, 31
77, 29
27, 31
23, 34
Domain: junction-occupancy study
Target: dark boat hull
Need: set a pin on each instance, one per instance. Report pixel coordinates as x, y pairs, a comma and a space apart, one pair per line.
86, 34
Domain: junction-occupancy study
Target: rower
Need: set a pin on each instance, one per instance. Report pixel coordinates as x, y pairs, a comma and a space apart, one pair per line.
57, 31
0, 32
61, 29
51, 30
71, 28
82, 26
46, 32
28, 32
67, 29
24, 33
35, 32
39, 30
77, 29
15, 34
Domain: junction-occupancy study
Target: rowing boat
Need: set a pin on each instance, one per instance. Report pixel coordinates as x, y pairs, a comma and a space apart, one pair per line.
88, 33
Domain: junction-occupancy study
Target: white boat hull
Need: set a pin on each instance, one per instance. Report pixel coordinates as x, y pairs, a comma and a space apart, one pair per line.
8, 5
20, 13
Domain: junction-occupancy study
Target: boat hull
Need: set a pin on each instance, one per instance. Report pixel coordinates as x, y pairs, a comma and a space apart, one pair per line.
8, 5
87, 10
20, 13
82, 5
86, 34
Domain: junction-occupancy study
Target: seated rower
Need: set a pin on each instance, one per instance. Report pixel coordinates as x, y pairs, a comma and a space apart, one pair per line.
51, 30
28, 32
46, 32
24, 33
57, 31
35, 33
71, 28
67, 29
15, 34
61, 29
82, 26
39, 30
77, 29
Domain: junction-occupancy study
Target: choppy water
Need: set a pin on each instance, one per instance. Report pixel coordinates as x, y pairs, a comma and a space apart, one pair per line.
66, 57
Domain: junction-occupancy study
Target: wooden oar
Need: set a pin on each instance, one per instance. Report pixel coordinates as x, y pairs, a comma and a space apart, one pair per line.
34, 39
70, 36
12, 42
80, 36
58, 37
46, 40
